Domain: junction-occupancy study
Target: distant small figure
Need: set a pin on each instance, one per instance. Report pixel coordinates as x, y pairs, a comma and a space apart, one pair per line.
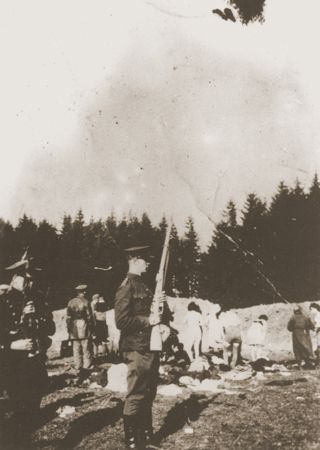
94, 301
315, 310
181, 357
80, 326
100, 326
169, 346
216, 332
193, 325
232, 338
256, 337
300, 326
226, 14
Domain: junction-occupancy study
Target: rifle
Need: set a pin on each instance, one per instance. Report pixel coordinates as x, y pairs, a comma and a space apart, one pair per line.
29, 323
157, 306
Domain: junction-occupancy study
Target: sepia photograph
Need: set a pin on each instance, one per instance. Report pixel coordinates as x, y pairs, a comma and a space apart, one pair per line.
160, 225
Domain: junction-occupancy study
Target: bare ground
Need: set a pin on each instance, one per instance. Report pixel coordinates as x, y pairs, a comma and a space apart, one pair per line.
256, 415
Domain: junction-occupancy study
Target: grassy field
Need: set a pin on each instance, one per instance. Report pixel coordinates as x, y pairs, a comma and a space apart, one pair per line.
265, 412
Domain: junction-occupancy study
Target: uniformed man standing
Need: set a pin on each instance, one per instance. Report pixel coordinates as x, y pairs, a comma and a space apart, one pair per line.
132, 315
26, 323
80, 327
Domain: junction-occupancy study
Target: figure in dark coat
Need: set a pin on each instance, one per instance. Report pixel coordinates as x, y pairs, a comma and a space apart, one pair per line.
133, 319
26, 322
300, 326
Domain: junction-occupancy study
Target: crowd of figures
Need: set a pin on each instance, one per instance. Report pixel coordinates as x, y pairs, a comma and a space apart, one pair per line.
120, 333
95, 334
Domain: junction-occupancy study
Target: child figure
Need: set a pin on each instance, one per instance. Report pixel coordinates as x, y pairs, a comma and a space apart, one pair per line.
101, 328
232, 339
256, 336
193, 331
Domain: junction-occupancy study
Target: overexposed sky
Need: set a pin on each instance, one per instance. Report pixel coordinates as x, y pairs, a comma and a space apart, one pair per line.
154, 105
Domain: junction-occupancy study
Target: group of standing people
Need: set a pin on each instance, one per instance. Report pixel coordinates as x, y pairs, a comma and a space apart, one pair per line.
225, 334
26, 324
200, 334
87, 328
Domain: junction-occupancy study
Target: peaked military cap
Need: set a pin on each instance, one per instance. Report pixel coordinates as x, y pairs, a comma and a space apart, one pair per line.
138, 251
81, 287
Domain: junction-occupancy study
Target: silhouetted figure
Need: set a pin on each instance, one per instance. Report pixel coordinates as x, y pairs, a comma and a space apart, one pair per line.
26, 323
80, 325
300, 326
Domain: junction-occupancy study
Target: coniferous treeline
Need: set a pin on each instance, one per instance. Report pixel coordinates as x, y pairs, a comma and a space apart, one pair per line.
266, 254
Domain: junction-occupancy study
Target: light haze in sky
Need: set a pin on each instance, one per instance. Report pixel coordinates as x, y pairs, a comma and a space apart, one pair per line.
154, 106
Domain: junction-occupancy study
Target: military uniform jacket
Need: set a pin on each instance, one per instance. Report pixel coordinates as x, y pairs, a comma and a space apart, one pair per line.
12, 327
132, 311
79, 318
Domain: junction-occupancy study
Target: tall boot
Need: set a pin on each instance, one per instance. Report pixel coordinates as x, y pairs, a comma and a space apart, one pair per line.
146, 431
130, 424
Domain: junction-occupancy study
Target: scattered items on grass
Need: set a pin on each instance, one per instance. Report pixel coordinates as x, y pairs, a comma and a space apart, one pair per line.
260, 376
261, 364
285, 374
163, 370
94, 385
117, 378
301, 380
169, 390
208, 385
216, 360
239, 374
188, 381
199, 365
276, 368
99, 377
65, 411
286, 382
279, 383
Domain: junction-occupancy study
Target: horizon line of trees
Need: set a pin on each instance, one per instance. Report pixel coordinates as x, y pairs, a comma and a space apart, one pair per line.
267, 254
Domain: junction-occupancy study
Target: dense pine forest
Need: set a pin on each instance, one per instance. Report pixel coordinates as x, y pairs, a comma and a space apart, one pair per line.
263, 254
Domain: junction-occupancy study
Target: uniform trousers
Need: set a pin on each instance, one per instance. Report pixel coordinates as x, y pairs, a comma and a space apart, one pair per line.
26, 384
82, 353
142, 379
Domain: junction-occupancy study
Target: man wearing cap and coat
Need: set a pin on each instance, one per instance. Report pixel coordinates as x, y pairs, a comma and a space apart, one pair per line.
132, 314
300, 326
26, 323
80, 326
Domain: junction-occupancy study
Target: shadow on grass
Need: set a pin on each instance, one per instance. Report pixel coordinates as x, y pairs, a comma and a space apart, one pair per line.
88, 424
48, 412
182, 413
60, 381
